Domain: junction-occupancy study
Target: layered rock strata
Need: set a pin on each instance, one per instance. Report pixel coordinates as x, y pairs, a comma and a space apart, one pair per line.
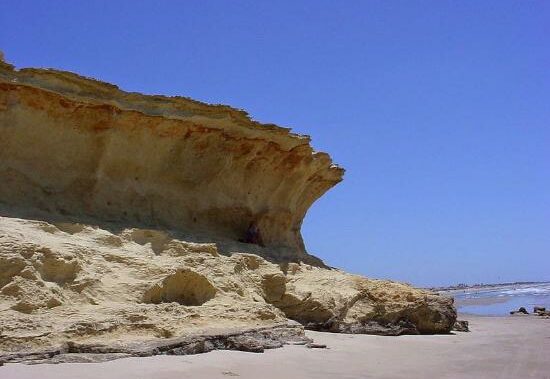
121, 216
79, 147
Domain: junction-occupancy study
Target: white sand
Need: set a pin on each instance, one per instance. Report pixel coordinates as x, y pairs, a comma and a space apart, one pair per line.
497, 347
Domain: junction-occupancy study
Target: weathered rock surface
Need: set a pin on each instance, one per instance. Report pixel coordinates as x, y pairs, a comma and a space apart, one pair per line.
120, 219
82, 285
461, 326
355, 304
253, 340
79, 147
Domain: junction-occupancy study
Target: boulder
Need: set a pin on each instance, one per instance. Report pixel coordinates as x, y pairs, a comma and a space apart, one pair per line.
331, 300
521, 310
461, 326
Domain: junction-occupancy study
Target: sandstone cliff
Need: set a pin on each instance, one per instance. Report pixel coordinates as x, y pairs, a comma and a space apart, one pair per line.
79, 147
120, 219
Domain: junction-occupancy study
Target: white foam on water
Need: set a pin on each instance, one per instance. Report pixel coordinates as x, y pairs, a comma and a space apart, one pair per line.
510, 298
542, 289
527, 291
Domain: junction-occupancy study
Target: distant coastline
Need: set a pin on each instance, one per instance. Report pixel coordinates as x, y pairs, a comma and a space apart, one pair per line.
464, 286
497, 299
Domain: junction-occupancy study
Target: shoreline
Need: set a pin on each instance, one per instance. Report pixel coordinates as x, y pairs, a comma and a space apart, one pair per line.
501, 346
483, 286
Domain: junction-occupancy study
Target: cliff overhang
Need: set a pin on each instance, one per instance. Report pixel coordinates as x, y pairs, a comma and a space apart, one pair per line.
78, 147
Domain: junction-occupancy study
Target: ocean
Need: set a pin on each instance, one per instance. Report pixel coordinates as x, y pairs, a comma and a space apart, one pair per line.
499, 300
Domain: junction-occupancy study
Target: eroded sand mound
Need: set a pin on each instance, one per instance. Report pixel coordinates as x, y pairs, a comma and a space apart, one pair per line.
80, 285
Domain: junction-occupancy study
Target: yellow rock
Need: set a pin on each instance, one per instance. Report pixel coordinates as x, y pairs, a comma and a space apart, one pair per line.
122, 215
83, 148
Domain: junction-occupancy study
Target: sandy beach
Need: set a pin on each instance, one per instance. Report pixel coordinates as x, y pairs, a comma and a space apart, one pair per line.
496, 347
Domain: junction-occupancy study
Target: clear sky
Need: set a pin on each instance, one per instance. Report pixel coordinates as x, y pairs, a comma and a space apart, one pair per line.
439, 111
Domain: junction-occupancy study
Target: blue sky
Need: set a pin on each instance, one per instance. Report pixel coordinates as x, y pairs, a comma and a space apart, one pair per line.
439, 111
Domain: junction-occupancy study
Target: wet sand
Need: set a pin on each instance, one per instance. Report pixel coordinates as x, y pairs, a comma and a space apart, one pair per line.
496, 347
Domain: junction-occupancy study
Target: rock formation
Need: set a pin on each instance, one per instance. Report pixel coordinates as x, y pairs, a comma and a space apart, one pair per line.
121, 219
80, 147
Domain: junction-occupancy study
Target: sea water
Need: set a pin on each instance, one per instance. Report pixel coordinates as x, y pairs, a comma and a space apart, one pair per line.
500, 300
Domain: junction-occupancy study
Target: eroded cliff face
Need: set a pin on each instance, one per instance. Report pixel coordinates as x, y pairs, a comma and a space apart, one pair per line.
74, 288
120, 220
79, 147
